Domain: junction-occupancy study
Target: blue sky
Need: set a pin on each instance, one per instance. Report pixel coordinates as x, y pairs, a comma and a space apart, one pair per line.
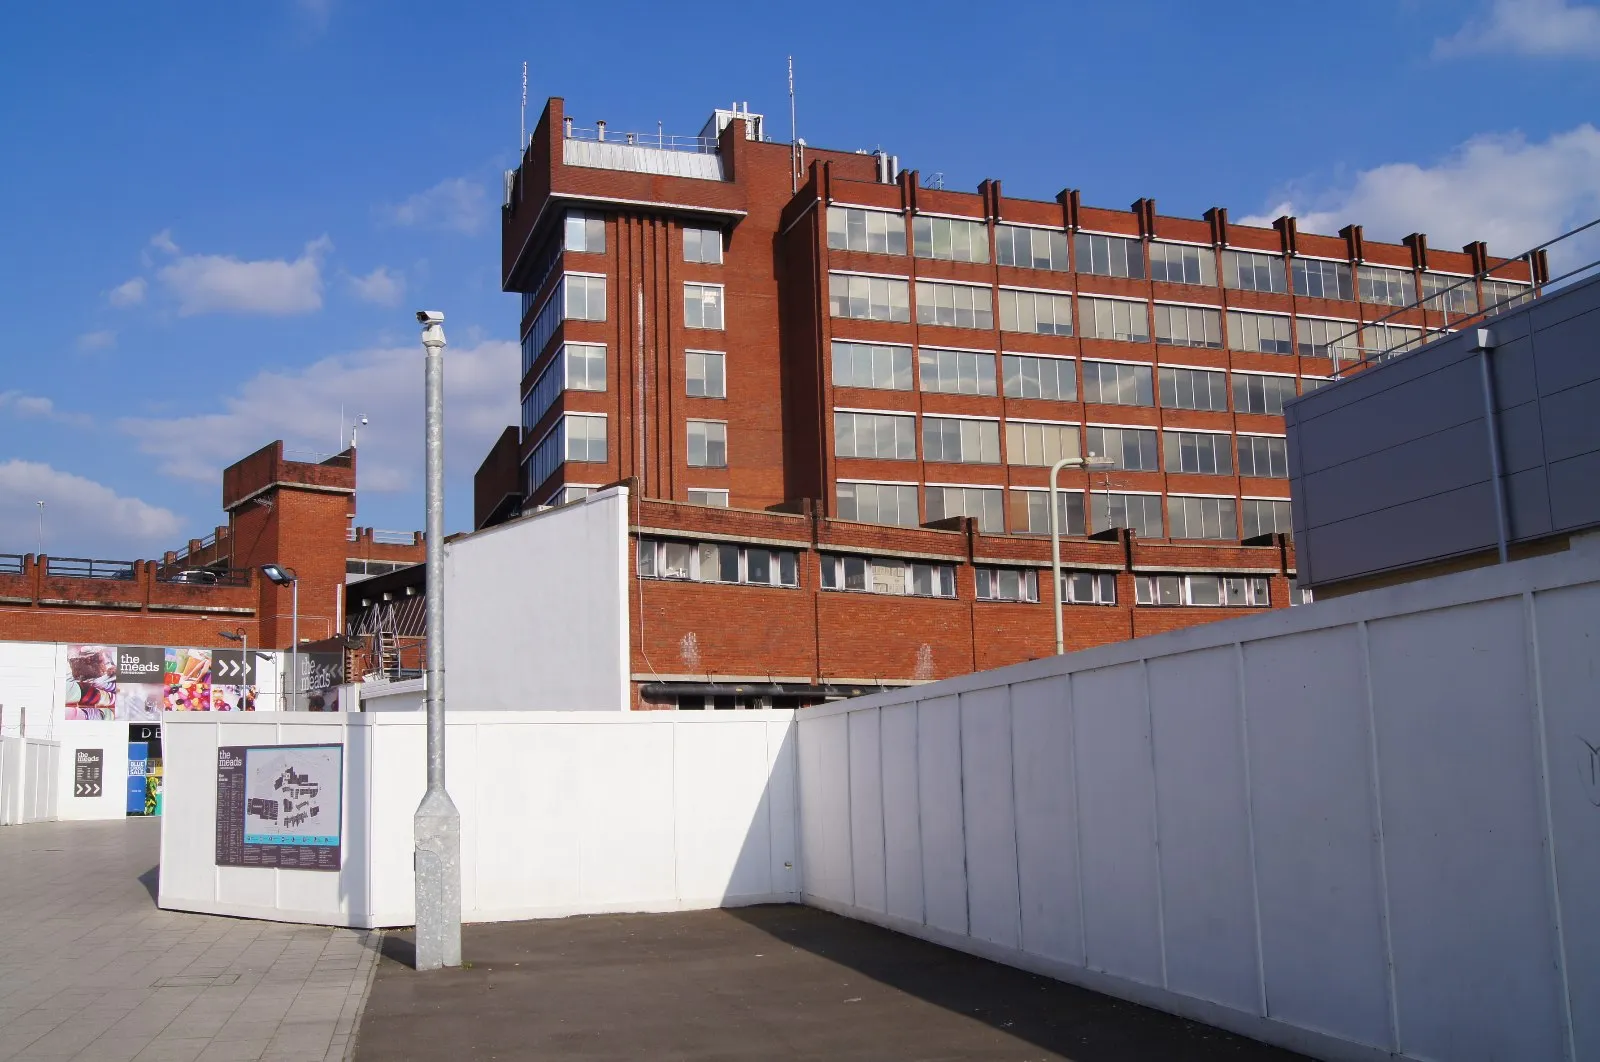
217, 219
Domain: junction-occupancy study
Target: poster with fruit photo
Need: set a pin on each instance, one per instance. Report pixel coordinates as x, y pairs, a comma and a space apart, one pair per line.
139, 682
188, 680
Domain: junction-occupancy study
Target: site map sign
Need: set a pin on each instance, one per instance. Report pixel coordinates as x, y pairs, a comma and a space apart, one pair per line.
280, 806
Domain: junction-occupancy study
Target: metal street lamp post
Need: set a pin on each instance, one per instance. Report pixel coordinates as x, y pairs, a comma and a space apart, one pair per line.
282, 576
1055, 534
437, 824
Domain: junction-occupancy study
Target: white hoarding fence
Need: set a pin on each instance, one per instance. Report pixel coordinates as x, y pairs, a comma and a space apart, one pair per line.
1369, 828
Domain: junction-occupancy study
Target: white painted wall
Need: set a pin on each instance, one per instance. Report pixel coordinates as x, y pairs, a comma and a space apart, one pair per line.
562, 813
1367, 828
32, 677
28, 769
536, 611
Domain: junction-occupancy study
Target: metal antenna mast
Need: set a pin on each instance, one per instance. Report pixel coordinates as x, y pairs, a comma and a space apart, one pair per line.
794, 139
522, 144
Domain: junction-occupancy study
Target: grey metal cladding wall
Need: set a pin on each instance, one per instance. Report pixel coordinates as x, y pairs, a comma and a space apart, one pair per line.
1391, 467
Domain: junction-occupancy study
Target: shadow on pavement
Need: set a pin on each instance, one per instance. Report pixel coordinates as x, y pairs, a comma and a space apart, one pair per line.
151, 880
779, 982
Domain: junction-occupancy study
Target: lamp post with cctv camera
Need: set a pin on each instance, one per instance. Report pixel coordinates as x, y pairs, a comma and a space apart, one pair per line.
437, 823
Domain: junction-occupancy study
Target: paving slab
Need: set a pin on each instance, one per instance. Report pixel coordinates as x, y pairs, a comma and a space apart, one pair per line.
771, 982
91, 969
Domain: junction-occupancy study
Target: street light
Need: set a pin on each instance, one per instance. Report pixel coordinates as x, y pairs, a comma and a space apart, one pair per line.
1055, 532
437, 857
281, 576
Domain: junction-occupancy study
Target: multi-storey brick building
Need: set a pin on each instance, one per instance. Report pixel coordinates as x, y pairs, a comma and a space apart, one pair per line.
729, 323
296, 513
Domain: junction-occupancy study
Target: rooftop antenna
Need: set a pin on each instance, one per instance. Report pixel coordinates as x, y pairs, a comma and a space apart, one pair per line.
522, 144
794, 139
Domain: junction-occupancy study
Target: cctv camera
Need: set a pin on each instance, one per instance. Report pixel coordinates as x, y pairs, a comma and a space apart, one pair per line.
429, 317
363, 419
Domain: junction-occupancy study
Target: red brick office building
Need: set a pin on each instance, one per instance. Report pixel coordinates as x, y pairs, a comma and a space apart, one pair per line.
837, 394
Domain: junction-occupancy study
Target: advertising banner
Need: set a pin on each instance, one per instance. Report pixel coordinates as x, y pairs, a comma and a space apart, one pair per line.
139, 682
88, 773
280, 806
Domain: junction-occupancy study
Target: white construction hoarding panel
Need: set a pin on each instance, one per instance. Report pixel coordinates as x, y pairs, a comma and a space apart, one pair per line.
866, 810
902, 834
536, 611
944, 857
1047, 819
988, 817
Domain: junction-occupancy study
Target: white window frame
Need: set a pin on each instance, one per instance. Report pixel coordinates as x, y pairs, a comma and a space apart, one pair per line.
689, 357
705, 442
719, 302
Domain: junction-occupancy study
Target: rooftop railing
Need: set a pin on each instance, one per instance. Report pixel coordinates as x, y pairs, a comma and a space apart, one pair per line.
702, 145
178, 573
393, 538
10, 564
84, 568
1439, 301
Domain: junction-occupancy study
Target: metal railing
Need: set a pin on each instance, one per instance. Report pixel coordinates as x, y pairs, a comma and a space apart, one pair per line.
394, 538
700, 145
312, 457
84, 568
1437, 302
187, 576
10, 564
182, 555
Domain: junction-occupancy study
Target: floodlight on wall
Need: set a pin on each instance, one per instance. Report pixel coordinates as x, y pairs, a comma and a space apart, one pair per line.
277, 573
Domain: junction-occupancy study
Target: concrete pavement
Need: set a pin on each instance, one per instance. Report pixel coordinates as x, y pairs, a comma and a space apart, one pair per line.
90, 968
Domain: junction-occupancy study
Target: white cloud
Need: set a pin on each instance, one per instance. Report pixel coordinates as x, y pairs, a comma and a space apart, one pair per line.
209, 283
1510, 192
1539, 28
128, 293
379, 286
317, 12
81, 517
302, 408
103, 339
162, 241
21, 405
455, 203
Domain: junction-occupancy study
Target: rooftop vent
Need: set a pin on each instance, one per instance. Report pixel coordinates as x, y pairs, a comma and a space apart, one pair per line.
720, 120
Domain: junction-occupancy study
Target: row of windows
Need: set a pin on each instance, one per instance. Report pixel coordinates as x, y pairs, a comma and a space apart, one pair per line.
963, 240
967, 372
717, 562
576, 367
970, 440
585, 436
585, 232
1049, 313
1189, 516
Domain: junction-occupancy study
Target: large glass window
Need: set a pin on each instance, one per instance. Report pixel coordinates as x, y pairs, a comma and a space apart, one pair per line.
1262, 332
702, 245
1498, 295
1253, 271
1030, 511
1128, 449
1027, 248
1320, 279
708, 444
705, 374
1036, 377
1199, 452
1258, 393
1039, 312
1265, 516
1321, 338
868, 298
952, 239
876, 365
957, 305
874, 231
1188, 326
1089, 588
576, 367
1388, 339
1140, 512
888, 575
983, 504
702, 306
716, 497
1007, 584
586, 437
1202, 590
965, 440
1115, 319
1118, 384
1190, 517
1180, 263
1109, 256
958, 372
1194, 389
1388, 287
1033, 443
877, 503
586, 231
1265, 456
1449, 294
881, 435
717, 562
